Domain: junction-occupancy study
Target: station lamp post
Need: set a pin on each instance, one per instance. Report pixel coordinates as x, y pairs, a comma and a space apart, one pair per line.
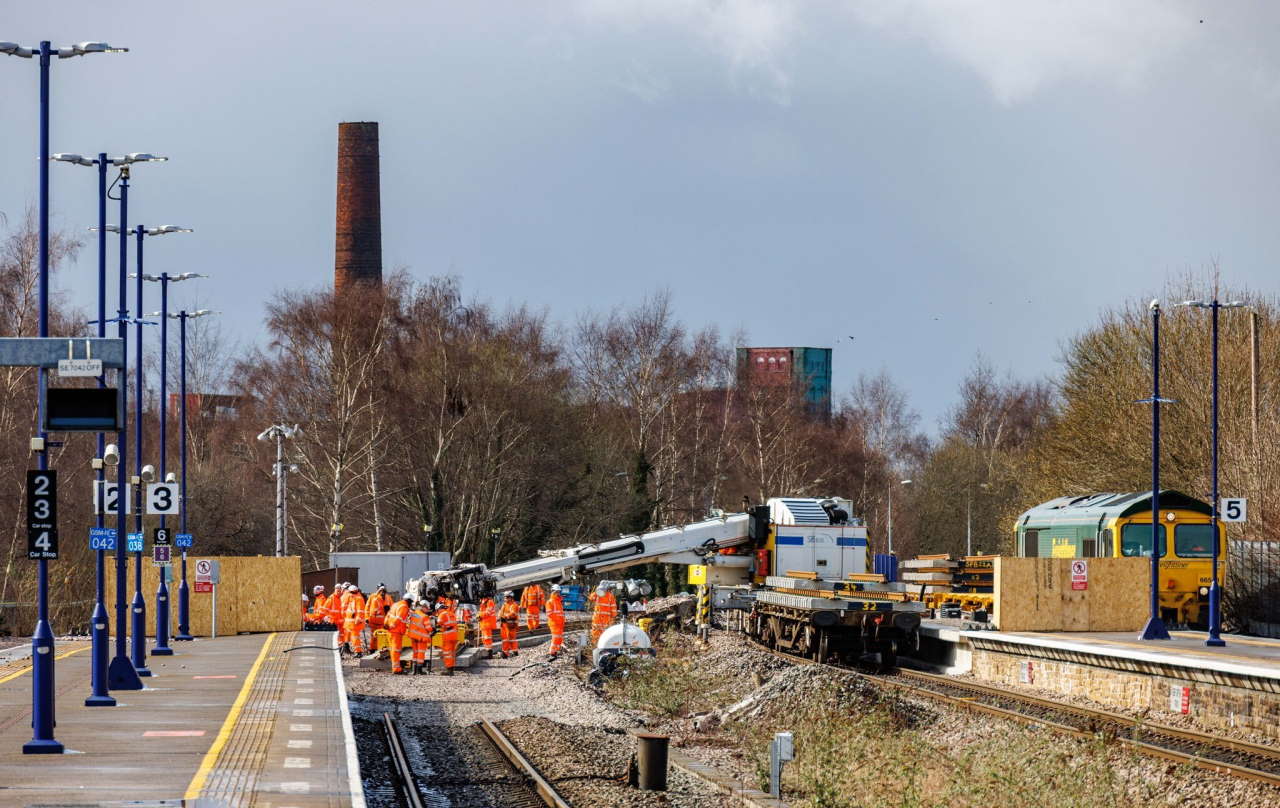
42, 693
1215, 592
184, 595
1155, 628
968, 517
279, 433
161, 647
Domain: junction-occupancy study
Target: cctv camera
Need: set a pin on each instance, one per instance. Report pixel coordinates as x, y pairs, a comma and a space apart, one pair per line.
111, 455
148, 473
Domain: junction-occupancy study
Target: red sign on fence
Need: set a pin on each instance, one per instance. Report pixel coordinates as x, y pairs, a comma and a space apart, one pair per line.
1079, 574
203, 587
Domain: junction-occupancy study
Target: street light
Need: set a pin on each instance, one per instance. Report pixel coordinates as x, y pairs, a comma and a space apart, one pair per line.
139, 606
904, 482
968, 517
42, 709
279, 433
161, 647
1215, 592
184, 596
1155, 628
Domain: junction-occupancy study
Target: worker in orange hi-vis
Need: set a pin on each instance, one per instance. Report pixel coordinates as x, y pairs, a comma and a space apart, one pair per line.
488, 623
509, 619
420, 634
319, 606
447, 628
355, 619
555, 620
532, 599
338, 615
397, 623
605, 612
375, 608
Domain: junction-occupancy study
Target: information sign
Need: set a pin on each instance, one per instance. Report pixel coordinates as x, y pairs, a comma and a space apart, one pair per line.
134, 543
112, 491
42, 514
203, 587
102, 538
1079, 574
183, 540
160, 555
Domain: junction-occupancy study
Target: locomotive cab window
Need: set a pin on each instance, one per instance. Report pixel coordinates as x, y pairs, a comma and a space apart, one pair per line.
1193, 541
1135, 540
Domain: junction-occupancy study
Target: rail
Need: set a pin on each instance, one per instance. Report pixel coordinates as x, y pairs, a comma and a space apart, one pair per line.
513, 755
1199, 749
405, 783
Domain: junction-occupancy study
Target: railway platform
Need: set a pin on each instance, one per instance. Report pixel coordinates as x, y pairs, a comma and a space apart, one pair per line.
257, 719
1235, 686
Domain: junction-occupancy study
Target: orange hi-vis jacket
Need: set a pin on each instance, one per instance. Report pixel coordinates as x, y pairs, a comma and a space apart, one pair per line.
319, 607
338, 607
397, 621
446, 623
419, 625
510, 612
488, 614
532, 599
376, 606
354, 608
606, 610
555, 609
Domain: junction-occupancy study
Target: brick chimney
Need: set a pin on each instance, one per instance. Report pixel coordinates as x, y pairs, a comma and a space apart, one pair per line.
358, 248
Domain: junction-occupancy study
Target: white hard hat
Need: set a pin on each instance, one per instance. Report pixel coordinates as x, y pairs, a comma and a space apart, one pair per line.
555, 587
317, 588
601, 589
508, 594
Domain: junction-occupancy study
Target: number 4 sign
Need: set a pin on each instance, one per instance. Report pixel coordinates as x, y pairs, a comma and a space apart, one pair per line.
162, 498
1234, 509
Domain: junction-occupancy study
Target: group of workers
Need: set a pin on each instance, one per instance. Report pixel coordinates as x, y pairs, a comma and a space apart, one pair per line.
357, 620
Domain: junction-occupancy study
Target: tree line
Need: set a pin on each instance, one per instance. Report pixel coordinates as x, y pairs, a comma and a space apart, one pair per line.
430, 420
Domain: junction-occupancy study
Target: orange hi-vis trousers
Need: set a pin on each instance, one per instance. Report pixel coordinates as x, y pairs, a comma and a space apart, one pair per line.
509, 643
420, 650
448, 648
355, 635
486, 633
397, 643
556, 624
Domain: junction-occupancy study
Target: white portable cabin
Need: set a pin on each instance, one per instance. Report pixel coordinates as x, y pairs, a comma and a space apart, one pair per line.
804, 540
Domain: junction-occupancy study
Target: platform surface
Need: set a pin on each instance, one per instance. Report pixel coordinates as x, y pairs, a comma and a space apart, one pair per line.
224, 722
1251, 656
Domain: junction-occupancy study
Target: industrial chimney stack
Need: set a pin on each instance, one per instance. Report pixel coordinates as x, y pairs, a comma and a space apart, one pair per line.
358, 250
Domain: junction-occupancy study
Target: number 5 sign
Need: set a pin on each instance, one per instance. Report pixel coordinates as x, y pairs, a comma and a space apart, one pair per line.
1234, 509
162, 498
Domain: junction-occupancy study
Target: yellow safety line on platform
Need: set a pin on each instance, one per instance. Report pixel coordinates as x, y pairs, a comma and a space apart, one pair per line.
28, 669
228, 726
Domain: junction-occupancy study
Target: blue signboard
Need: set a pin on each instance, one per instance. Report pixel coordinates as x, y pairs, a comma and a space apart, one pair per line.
102, 538
135, 543
183, 539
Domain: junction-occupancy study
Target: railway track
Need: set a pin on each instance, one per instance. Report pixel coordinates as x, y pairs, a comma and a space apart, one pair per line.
464, 767
1190, 747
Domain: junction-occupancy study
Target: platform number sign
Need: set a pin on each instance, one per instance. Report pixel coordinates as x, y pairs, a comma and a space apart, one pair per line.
106, 497
162, 498
1234, 509
42, 514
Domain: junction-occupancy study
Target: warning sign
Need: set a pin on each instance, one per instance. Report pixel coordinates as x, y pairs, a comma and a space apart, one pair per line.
1179, 699
203, 587
1079, 574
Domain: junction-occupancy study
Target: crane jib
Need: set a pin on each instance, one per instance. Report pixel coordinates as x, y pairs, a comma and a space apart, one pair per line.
610, 554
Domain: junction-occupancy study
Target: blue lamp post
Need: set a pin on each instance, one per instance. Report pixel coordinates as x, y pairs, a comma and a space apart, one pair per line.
1215, 592
184, 594
164, 279
42, 711
1155, 629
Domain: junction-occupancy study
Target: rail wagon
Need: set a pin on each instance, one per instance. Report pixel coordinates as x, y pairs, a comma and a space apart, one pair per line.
1119, 525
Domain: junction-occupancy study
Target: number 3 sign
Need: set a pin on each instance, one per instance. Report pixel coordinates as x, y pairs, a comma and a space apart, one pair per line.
162, 498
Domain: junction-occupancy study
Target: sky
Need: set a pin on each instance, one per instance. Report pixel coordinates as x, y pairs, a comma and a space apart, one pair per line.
911, 183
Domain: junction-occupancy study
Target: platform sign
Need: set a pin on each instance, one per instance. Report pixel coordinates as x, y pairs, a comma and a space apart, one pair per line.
1234, 509
208, 570
1079, 574
42, 514
161, 555
134, 543
109, 493
183, 540
1179, 699
203, 587
102, 538
162, 498
161, 536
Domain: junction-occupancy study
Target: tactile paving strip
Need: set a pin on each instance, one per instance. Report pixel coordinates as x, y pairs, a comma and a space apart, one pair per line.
234, 777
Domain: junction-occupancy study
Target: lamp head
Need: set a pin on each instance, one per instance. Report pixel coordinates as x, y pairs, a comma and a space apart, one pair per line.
137, 157
1154, 305
111, 455
171, 477
85, 48
148, 473
111, 228
165, 229
64, 157
14, 49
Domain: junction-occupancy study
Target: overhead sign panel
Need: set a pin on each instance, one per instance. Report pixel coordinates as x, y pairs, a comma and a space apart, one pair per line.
47, 352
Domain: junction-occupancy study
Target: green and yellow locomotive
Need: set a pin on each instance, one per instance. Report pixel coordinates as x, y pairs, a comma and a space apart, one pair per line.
1103, 525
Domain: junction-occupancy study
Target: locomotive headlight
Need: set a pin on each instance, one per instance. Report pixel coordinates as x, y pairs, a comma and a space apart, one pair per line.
1204, 591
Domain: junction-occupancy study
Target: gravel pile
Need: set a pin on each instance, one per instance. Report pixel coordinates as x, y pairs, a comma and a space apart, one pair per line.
588, 766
